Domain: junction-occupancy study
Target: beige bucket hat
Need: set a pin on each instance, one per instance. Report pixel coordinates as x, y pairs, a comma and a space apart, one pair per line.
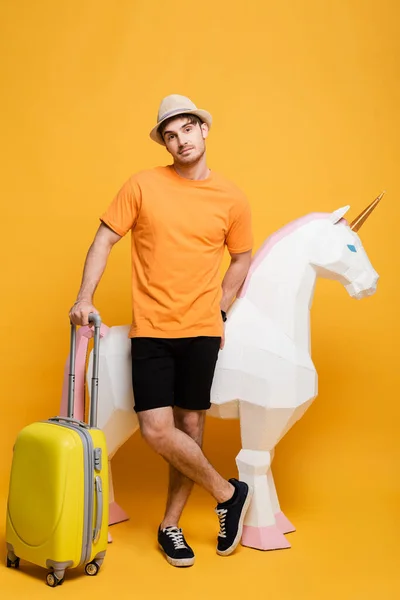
172, 106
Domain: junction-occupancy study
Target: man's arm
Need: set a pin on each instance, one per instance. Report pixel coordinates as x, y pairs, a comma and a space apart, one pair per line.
234, 277
95, 265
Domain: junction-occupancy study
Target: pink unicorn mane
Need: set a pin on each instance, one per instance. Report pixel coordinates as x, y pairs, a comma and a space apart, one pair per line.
272, 240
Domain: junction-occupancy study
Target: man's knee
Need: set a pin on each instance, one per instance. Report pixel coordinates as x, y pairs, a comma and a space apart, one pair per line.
156, 428
191, 422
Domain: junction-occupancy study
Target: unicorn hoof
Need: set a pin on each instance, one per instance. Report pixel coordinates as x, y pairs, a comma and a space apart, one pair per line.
116, 514
283, 523
264, 538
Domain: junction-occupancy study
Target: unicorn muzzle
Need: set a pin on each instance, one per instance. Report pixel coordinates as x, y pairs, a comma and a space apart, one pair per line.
363, 286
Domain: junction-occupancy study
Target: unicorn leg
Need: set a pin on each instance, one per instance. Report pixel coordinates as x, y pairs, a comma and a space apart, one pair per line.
116, 513
260, 429
260, 529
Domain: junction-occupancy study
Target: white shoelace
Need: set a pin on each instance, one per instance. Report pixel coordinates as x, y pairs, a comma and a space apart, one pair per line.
176, 536
221, 513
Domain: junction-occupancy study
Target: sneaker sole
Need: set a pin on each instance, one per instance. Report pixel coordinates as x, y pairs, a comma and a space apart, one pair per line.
178, 562
238, 537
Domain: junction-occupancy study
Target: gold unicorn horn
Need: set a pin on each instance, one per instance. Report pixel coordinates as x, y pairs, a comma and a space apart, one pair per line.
362, 217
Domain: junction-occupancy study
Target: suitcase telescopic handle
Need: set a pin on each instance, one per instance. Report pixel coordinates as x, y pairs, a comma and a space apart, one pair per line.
96, 320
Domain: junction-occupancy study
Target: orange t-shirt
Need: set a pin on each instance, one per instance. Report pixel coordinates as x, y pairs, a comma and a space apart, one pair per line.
179, 230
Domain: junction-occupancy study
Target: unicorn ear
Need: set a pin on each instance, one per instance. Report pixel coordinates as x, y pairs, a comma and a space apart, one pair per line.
338, 214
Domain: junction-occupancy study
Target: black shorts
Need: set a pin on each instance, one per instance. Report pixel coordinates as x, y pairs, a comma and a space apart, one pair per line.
173, 372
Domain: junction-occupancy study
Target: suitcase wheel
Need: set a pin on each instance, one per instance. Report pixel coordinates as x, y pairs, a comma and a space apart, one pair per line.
13, 563
92, 568
52, 580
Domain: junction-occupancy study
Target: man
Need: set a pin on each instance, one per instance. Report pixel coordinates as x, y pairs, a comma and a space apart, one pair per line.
181, 217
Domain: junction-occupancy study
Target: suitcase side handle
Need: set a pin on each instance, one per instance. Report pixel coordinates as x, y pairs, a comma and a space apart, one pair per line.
96, 320
99, 509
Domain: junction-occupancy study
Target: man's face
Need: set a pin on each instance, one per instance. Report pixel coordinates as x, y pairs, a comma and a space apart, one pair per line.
185, 141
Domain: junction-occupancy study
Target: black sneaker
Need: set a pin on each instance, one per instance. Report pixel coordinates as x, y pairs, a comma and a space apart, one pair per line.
231, 516
175, 547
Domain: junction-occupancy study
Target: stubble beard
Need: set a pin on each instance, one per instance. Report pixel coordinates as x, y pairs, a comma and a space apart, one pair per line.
191, 159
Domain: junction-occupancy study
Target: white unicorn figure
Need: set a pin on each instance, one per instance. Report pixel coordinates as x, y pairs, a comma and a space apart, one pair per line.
264, 375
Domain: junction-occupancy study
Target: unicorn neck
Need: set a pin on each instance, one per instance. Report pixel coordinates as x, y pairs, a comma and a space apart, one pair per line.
281, 284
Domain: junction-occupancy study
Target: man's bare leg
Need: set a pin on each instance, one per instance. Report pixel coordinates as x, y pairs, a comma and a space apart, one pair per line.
179, 489
182, 452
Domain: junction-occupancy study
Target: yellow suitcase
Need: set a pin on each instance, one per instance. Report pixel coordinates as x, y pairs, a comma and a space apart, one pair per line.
57, 510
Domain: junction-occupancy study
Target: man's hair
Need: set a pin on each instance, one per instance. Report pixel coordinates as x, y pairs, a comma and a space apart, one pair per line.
191, 119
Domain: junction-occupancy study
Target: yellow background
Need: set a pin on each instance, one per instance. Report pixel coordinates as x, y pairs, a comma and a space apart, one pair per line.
305, 96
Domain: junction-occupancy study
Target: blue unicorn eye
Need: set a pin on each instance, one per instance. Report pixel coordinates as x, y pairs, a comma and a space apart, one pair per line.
352, 248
